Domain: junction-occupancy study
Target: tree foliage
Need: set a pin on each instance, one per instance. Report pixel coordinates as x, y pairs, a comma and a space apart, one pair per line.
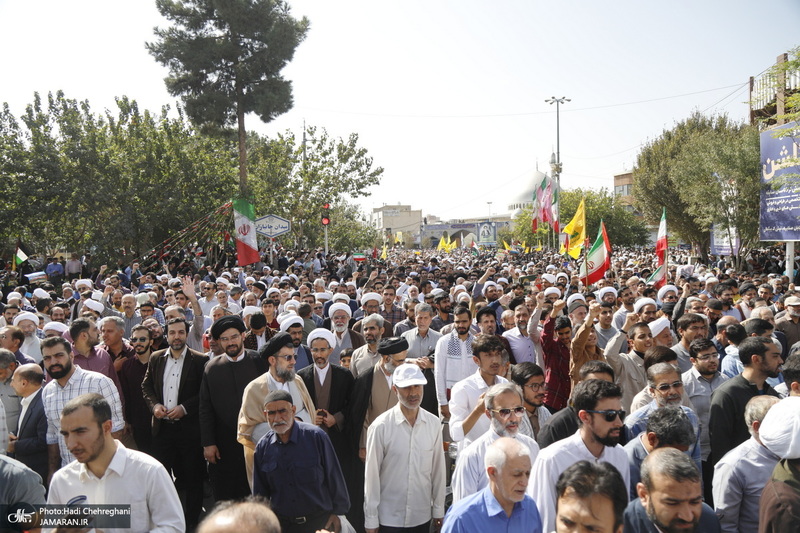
705, 170
225, 60
122, 181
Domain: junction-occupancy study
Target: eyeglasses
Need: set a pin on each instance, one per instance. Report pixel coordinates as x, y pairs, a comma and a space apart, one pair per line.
664, 387
610, 414
507, 412
287, 357
706, 357
140, 339
534, 386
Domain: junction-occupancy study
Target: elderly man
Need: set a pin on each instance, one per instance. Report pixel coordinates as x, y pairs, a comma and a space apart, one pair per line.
297, 470
230, 372
29, 324
399, 493
740, 476
502, 401
128, 315
670, 497
9, 400
12, 338
112, 331
504, 504
29, 437
366, 356
252, 422
340, 314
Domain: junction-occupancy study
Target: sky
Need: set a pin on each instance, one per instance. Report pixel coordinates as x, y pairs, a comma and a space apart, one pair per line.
447, 96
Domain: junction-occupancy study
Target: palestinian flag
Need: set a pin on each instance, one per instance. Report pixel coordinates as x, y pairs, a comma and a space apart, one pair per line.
598, 259
659, 277
475, 249
244, 223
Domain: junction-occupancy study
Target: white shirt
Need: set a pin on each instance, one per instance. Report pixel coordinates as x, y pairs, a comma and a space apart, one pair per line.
207, 306
404, 471
24, 403
470, 477
173, 368
559, 456
321, 373
463, 399
3, 431
450, 369
132, 478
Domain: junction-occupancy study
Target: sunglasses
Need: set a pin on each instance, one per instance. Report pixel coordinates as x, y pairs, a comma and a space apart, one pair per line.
664, 387
610, 414
140, 339
507, 412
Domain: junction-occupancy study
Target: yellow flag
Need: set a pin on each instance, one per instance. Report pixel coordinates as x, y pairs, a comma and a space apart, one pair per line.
384, 254
441, 244
576, 231
506, 246
539, 247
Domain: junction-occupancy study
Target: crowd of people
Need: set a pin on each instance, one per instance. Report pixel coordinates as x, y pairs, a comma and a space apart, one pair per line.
455, 391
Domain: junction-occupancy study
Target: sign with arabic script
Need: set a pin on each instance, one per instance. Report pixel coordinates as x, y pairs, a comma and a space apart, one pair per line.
780, 184
272, 225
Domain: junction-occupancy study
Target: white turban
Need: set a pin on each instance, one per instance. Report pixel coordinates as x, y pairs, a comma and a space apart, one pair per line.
641, 302
84, 283
549, 278
322, 296
94, 305
665, 289
291, 304
290, 321
605, 290
322, 333
26, 316
459, 288
13, 296
272, 291
552, 290
341, 297
780, 430
250, 310
487, 285
41, 293
370, 297
340, 307
59, 327
658, 325
250, 279
576, 296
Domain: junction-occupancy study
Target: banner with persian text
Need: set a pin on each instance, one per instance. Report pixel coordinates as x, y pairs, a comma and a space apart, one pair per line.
780, 184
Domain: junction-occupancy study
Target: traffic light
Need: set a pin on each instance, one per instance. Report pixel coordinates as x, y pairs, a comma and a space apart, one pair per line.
326, 217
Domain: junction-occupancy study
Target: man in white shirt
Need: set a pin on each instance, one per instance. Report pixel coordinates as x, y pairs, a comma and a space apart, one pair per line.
505, 410
453, 357
105, 472
598, 405
405, 472
467, 410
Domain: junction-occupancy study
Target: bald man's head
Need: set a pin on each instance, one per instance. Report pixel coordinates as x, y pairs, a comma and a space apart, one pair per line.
250, 516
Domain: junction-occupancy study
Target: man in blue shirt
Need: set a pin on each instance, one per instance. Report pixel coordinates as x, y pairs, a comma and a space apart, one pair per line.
503, 505
297, 470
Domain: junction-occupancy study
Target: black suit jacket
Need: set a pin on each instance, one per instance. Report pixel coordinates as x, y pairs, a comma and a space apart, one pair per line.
188, 390
31, 446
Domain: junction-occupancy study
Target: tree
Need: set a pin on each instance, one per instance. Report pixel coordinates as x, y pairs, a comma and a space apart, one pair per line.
225, 60
705, 170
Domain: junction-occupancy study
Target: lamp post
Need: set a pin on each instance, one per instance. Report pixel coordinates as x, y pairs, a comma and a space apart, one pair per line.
555, 159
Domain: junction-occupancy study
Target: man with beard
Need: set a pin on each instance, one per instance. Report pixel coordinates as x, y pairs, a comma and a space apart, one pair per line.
670, 497
293, 325
626, 300
598, 405
230, 372
366, 356
727, 429
105, 472
629, 367
252, 421
197, 321
296, 469
131, 375
346, 338
724, 293
128, 314
171, 389
453, 357
487, 324
503, 402
699, 383
443, 306
789, 324
157, 334
591, 497
529, 377
403, 494
666, 388
523, 339
713, 311
390, 312
467, 406
421, 347
690, 327
70, 381
29, 324
86, 353
112, 330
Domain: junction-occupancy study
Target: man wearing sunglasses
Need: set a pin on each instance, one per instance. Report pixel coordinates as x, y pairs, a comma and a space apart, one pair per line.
505, 410
131, 375
598, 405
666, 387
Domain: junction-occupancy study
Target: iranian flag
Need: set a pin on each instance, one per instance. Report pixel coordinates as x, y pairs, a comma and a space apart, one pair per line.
598, 259
244, 223
659, 277
554, 208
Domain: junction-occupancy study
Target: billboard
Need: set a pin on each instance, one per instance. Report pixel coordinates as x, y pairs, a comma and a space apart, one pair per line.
487, 234
724, 242
780, 184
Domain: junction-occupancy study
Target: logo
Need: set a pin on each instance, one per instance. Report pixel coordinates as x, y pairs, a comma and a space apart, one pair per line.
244, 229
20, 517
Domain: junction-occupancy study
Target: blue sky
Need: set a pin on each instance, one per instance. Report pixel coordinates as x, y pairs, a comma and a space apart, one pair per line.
447, 96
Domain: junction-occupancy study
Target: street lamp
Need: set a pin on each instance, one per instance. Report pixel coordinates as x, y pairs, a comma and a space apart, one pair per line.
555, 159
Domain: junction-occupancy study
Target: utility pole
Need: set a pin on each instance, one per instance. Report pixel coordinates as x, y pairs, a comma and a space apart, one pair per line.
555, 159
